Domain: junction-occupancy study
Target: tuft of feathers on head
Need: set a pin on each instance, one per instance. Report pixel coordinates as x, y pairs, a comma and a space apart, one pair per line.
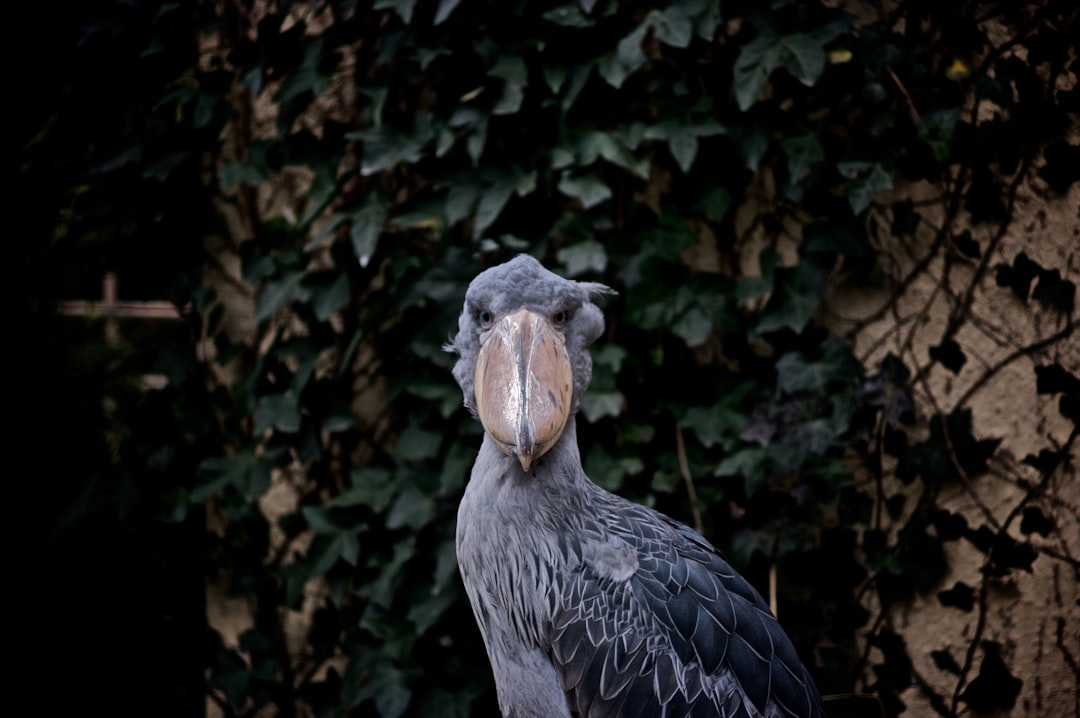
525, 282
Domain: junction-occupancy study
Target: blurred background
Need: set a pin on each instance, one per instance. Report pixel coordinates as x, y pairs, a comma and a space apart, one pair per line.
845, 238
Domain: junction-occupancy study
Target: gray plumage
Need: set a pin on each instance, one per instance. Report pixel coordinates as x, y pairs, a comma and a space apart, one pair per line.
588, 604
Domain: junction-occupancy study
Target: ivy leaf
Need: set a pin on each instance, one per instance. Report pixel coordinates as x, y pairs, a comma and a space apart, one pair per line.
370, 487
583, 257
1006, 553
944, 660
710, 424
515, 75
995, 688
905, 219
797, 292
568, 16
278, 411
1035, 521
795, 372
936, 130
490, 206
804, 57
705, 15
589, 189
960, 596
757, 59
1053, 291
1018, 276
682, 139
625, 59
240, 172
277, 294
694, 327
595, 405
865, 180
1062, 165
967, 245
445, 8
750, 463
1052, 379
715, 203
804, 151
385, 147
672, 26
329, 292
802, 54
950, 355
217, 472
367, 226
460, 201
404, 8
416, 444
1045, 462
949, 526
413, 508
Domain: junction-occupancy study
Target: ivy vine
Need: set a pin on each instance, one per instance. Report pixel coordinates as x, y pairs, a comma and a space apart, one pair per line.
315, 183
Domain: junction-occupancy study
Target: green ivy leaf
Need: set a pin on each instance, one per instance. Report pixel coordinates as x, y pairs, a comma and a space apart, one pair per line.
750, 463
595, 405
387, 146
694, 327
866, 180
804, 151
589, 189
587, 256
672, 26
328, 292
367, 226
804, 57
936, 129
370, 487
490, 206
712, 424
239, 172
568, 16
756, 61
625, 59
416, 444
404, 8
445, 8
797, 292
413, 509
276, 294
795, 372
277, 411
515, 75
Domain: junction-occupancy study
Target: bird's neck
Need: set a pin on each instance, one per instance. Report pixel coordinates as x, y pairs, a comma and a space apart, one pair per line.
560, 465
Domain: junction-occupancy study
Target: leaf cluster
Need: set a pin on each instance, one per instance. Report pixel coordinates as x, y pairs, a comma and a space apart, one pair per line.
412, 143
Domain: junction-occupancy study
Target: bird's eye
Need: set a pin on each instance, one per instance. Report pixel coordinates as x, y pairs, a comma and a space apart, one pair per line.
485, 318
560, 318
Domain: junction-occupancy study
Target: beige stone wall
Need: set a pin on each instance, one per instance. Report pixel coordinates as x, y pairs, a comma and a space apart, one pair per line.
1035, 617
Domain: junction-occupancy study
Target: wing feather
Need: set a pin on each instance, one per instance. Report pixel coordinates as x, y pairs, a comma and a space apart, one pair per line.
682, 636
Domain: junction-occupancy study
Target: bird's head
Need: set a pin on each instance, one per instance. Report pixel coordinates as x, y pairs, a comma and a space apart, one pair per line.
523, 345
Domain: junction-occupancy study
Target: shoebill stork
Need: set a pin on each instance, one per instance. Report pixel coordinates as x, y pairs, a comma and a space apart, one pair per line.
589, 604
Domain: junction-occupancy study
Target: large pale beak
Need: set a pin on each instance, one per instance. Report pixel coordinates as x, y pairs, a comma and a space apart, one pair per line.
523, 385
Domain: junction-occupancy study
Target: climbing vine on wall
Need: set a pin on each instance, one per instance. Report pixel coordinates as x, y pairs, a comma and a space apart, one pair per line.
729, 170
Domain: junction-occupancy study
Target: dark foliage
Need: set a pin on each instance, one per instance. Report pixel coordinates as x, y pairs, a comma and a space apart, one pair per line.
411, 144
